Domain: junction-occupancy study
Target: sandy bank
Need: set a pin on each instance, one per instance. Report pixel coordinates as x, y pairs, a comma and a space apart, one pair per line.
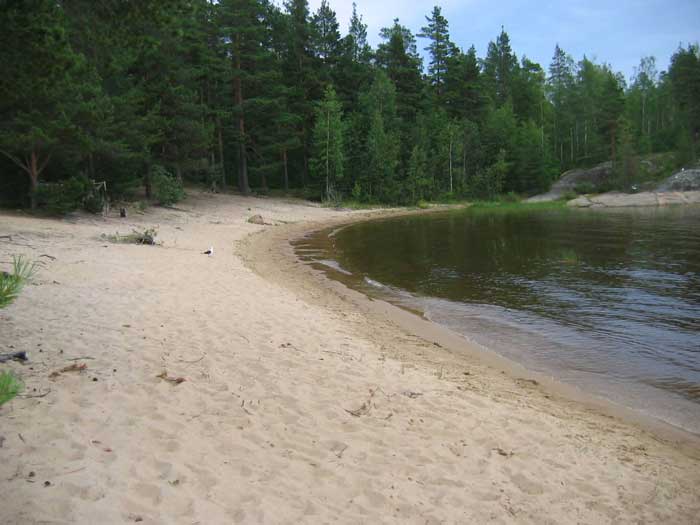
300, 405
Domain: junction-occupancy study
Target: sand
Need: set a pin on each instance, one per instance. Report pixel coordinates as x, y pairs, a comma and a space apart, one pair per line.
302, 403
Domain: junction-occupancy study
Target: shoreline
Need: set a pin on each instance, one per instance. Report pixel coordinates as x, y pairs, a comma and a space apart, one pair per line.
390, 316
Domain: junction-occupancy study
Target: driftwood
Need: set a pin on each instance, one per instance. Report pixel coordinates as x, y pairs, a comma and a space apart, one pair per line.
75, 367
170, 379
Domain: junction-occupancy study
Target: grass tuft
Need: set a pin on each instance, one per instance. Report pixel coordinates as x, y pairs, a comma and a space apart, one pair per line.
11, 283
10, 386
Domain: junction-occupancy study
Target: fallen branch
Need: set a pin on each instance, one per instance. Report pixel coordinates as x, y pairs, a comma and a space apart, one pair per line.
71, 471
29, 396
70, 368
79, 358
48, 256
174, 380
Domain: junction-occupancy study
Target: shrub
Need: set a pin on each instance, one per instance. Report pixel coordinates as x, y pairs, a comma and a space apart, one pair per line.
63, 197
10, 386
510, 197
585, 187
357, 191
569, 196
167, 190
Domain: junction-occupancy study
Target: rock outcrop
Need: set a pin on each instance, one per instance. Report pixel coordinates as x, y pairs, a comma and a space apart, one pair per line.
685, 180
625, 200
594, 176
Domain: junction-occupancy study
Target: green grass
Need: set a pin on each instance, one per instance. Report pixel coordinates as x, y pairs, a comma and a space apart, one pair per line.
11, 283
568, 256
500, 206
10, 386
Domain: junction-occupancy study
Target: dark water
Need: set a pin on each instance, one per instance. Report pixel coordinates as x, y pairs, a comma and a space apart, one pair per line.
605, 300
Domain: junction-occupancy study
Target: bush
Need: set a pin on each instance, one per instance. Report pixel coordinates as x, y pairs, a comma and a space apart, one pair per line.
10, 386
63, 197
511, 196
584, 187
167, 190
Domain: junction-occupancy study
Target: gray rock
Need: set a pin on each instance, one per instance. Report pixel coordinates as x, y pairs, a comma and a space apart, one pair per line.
686, 180
625, 200
594, 176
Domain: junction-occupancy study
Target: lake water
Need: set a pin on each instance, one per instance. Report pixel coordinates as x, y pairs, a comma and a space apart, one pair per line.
608, 301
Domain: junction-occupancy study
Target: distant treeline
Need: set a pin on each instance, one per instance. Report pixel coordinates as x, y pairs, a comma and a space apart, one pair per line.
245, 93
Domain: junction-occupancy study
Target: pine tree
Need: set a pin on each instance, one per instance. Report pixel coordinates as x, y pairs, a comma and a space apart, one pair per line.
382, 143
300, 74
560, 86
684, 75
440, 48
463, 92
243, 25
356, 40
325, 38
500, 67
42, 112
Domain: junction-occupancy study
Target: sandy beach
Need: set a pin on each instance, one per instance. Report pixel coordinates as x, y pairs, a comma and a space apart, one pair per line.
302, 402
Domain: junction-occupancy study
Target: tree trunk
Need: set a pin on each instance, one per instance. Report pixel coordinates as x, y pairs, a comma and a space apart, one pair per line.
91, 166
243, 186
305, 154
286, 170
221, 152
33, 179
305, 171
328, 145
147, 182
464, 168
450, 164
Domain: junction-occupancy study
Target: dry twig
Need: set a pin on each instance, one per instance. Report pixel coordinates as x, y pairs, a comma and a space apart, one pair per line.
75, 367
174, 380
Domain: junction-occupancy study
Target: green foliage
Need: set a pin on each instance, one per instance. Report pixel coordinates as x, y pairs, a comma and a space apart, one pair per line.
10, 386
167, 190
64, 197
234, 90
11, 284
327, 162
440, 48
583, 188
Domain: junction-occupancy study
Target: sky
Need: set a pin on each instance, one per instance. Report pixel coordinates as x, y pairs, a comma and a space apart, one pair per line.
618, 32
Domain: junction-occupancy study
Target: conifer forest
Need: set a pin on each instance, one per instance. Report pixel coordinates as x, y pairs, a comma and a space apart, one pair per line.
252, 96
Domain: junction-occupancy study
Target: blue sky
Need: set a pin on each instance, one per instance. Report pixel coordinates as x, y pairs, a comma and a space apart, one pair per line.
616, 32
